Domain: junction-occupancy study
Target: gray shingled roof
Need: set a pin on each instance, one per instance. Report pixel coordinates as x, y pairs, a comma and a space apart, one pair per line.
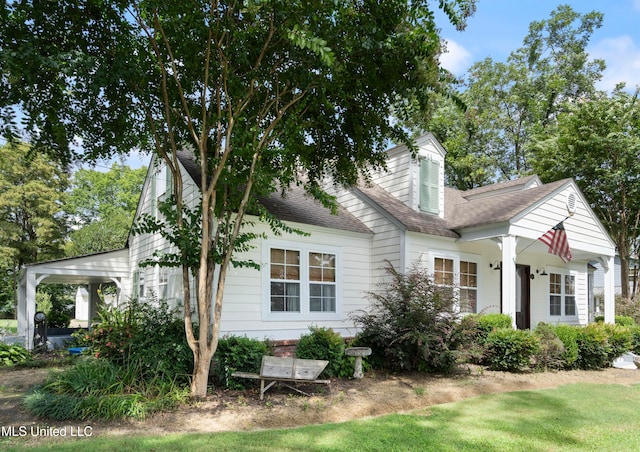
412, 220
460, 211
295, 205
515, 184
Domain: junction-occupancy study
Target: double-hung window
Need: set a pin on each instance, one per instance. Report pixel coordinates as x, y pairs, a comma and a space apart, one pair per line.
285, 280
322, 282
449, 272
468, 286
562, 295
303, 282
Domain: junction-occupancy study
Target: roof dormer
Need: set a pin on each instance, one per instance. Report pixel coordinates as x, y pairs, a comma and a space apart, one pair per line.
427, 176
416, 179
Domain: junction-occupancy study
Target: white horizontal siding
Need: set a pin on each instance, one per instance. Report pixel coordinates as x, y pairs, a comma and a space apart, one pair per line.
397, 180
243, 297
584, 232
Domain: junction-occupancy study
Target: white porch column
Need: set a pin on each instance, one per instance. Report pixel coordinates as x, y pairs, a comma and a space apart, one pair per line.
94, 300
609, 291
30, 308
509, 277
23, 323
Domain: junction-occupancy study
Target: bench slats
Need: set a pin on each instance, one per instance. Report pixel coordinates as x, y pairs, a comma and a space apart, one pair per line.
283, 369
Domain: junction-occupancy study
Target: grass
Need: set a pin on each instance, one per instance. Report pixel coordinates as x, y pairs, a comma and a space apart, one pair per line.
577, 417
10, 325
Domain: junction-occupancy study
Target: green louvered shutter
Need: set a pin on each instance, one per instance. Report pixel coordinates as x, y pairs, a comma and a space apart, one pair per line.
429, 186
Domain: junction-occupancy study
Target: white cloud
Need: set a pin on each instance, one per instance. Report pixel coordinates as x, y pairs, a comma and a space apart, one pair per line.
456, 59
622, 56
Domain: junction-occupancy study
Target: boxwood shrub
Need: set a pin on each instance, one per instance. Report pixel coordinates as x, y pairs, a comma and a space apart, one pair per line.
238, 353
568, 334
510, 350
324, 343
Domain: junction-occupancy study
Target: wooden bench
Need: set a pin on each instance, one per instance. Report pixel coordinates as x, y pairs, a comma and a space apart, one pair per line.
276, 369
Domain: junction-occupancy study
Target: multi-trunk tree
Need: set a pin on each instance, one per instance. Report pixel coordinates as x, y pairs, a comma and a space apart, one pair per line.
262, 93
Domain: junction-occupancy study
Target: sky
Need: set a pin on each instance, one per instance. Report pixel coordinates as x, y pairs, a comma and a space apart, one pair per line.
499, 26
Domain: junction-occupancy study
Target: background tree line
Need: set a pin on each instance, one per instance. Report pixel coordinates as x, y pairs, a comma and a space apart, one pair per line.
539, 112
48, 212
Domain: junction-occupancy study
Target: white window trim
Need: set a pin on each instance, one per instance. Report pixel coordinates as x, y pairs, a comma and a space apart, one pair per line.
562, 317
159, 272
305, 313
456, 258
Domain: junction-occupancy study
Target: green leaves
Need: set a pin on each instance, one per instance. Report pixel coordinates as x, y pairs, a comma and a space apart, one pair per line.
305, 40
13, 354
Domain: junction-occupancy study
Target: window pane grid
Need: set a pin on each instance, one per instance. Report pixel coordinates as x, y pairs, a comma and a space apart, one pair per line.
562, 289
302, 282
285, 297
285, 264
443, 271
322, 298
554, 305
468, 286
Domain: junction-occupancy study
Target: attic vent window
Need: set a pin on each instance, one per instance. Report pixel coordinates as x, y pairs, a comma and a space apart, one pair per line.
571, 203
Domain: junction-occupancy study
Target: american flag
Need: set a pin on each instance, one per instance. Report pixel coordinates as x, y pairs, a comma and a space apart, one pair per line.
556, 239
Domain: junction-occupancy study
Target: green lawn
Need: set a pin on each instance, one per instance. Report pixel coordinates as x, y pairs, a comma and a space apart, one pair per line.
10, 325
577, 417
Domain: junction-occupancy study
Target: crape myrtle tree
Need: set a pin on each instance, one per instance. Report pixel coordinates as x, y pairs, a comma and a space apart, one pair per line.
261, 94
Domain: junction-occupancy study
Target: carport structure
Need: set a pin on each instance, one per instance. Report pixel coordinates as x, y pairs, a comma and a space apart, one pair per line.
91, 270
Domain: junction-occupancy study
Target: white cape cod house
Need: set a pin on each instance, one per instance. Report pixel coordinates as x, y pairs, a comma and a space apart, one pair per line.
484, 241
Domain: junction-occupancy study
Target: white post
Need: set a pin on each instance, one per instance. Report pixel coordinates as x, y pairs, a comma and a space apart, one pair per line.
609, 290
30, 304
509, 277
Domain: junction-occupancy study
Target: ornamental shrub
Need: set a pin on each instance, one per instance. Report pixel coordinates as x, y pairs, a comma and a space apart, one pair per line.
474, 329
148, 336
238, 353
593, 347
490, 322
551, 350
324, 343
412, 324
619, 340
510, 350
625, 320
568, 334
635, 339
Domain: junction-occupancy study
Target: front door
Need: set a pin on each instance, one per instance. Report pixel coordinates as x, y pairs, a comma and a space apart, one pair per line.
523, 297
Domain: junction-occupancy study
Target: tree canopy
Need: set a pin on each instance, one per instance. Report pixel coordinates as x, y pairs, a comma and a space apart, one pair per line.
508, 102
33, 223
102, 206
598, 144
263, 93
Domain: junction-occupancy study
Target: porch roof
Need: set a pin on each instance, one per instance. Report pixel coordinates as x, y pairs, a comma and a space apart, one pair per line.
94, 268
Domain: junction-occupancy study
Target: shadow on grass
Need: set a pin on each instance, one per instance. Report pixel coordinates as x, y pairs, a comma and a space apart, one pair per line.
572, 417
